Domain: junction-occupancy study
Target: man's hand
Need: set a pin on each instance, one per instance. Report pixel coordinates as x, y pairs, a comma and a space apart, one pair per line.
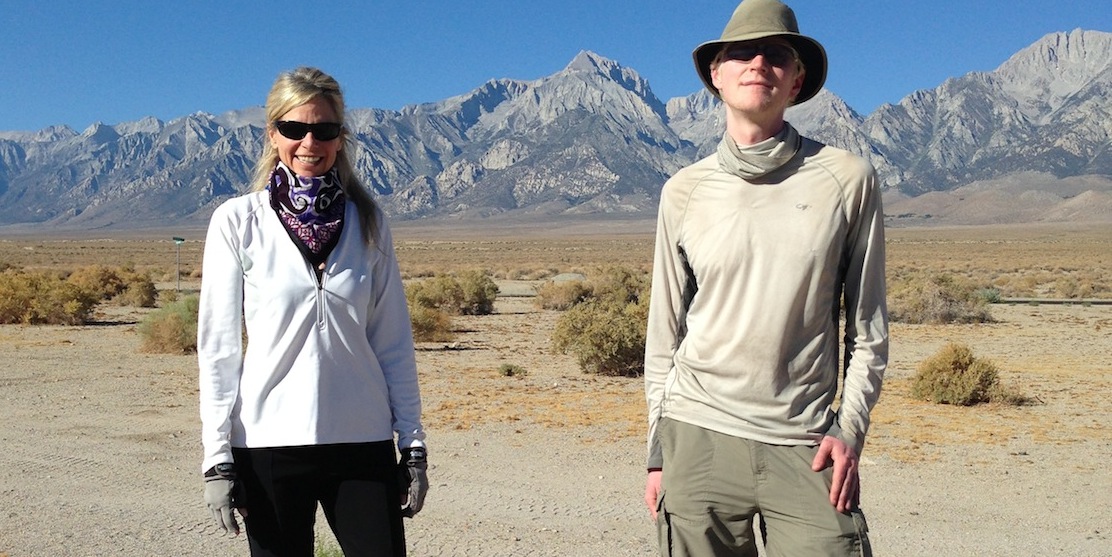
413, 470
845, 488
652, 490
220, 485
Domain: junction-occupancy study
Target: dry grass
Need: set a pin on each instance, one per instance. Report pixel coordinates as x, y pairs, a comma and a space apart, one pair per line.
463, 387
910, 430
522, 259
1049, 260
155, 253
1061, 260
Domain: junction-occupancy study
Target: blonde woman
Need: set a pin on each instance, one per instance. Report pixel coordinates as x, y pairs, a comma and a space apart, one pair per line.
310, 411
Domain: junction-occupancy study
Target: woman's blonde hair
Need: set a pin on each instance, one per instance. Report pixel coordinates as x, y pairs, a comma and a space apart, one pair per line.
291, 90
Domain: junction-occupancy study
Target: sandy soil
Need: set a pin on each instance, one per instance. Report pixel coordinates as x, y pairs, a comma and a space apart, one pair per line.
100, 446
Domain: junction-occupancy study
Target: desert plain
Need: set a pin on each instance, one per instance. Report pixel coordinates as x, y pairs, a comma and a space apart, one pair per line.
99, 442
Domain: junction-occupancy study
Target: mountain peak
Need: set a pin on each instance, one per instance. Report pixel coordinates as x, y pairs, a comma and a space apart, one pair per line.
589, 61
1087, 49
1055, 68
100, 132
148, 124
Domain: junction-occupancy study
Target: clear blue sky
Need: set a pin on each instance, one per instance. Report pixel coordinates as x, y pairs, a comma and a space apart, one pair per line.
75, 63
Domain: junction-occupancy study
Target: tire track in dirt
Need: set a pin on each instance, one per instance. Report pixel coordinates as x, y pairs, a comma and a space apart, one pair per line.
99, 447
93, 442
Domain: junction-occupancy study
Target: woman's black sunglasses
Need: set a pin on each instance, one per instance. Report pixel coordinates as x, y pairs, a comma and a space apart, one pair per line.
323, 131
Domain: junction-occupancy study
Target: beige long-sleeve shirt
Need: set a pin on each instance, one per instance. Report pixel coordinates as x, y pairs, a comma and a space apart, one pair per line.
748, 277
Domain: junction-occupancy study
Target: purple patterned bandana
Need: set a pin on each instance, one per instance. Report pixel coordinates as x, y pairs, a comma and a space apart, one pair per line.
311, 209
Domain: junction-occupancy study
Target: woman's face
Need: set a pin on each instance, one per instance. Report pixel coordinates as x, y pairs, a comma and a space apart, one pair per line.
310, 155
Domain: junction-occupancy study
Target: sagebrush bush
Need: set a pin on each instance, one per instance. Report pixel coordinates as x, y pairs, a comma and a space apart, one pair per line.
140, 292
606, 331
954, 376
99, 280
621, 285
171, 329
472, 293
562, 295
122, 285
990, 295
441, 292
42, 298
607, 338
167, 297
512, 370
479, 293
937, 299
430, 324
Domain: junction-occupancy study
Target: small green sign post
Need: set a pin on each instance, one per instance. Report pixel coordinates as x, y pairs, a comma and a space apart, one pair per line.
179, 241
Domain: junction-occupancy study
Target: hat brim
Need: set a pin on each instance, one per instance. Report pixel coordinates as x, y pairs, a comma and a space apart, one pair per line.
811, 53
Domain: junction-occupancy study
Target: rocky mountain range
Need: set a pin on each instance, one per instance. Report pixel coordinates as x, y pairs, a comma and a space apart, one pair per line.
1029, 141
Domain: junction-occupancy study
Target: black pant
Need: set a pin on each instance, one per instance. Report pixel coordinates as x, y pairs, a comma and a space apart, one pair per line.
356, 485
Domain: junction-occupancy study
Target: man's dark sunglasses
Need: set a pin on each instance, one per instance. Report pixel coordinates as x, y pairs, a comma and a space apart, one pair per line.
323, 131
774, 53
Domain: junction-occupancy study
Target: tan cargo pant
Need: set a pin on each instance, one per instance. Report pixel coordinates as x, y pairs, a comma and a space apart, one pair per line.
714, 485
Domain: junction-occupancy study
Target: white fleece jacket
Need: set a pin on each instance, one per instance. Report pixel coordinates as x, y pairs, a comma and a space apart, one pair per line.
325, 363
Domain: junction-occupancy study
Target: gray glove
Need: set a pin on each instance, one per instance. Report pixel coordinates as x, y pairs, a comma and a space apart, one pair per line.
413, 473
220, 485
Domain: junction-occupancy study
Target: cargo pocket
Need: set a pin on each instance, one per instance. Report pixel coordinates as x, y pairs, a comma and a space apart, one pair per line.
863, 548
663, 526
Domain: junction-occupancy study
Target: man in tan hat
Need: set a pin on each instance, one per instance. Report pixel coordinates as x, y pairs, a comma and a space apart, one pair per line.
759, 247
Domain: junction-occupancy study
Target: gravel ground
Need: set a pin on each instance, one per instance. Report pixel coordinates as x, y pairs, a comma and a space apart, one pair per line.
100, 447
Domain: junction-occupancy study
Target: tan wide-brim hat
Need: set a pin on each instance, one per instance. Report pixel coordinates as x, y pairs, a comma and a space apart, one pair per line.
759, 19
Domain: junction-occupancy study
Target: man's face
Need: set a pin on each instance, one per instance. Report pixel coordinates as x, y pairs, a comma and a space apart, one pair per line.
758, 78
